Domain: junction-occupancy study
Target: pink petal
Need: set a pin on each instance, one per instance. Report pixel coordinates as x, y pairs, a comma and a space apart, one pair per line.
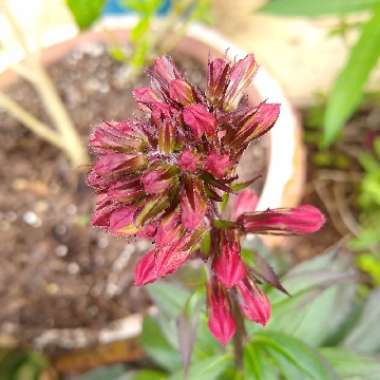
188, 161
218, 73
246, 201
145, 272
300, 220
253, 302
217, 164
169, 230
181, 92
221, 322
122, 220
200, 120
228, 265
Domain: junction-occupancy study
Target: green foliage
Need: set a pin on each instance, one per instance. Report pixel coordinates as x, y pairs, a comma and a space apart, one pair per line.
21, 365
316, 8
347, 92
86, 12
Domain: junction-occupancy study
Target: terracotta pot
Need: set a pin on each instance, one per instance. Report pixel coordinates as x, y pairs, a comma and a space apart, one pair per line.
285, 173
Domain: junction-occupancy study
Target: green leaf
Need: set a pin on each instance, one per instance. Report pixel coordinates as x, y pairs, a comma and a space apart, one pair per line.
169, 298
348, 89
157, 347
257, 365
352, 366
304, 358
208, 369
143, 7
140, 29
365, 336
86, 12
315, 8
149, 375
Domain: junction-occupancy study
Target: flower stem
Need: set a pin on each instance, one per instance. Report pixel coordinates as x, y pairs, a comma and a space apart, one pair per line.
240, 334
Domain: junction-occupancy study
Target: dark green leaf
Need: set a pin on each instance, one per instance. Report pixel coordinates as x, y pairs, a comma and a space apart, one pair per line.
315, 8
352, 366
301, 356
86, 12
348, 89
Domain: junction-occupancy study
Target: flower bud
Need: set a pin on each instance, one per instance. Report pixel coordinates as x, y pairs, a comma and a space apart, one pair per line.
181, 92
217, 164
119, 163
188, 161
220, 322
122, 221
158, 180
199, 120
293, 221
254, 302
228, 265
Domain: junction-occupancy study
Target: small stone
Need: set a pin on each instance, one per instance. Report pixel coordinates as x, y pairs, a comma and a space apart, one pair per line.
73, 268
32, 219
61, 250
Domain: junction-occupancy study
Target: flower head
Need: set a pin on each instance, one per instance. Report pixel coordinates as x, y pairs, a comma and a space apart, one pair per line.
165, 177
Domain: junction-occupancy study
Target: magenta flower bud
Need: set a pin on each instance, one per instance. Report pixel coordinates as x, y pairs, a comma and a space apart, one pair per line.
119, 163
145, 95
103, 211
228, 265
169, 230
145, 271
158, 180
181, 92
122, 220
161, 262
220, 321
114, 136
217, 164
255, 123
246, 201
253, 302
218, 74
298, 221
200, 120
188, 161
193, 206
126, 190
241, 75
165, 70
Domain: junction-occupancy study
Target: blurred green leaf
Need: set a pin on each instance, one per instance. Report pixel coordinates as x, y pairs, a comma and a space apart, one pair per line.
257, 365
299, 355
157, 347
365, 336
149, 375
169, 298
86, 12
114, 372
143, 7
316, 8
21, 365
140, 29
208, 369
348, 89
352, 366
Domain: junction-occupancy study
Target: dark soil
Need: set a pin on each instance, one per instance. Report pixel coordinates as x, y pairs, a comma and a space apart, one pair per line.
56, 271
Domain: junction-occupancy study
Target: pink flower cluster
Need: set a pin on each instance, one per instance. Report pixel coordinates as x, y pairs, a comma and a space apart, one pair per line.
164, 177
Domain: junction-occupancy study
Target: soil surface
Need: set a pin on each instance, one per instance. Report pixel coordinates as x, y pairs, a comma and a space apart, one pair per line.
56, 271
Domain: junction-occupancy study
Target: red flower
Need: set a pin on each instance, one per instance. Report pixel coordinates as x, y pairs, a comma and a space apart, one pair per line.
166, 177
221, 322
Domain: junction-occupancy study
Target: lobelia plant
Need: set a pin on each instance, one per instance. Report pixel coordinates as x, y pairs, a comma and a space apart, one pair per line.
167, 177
